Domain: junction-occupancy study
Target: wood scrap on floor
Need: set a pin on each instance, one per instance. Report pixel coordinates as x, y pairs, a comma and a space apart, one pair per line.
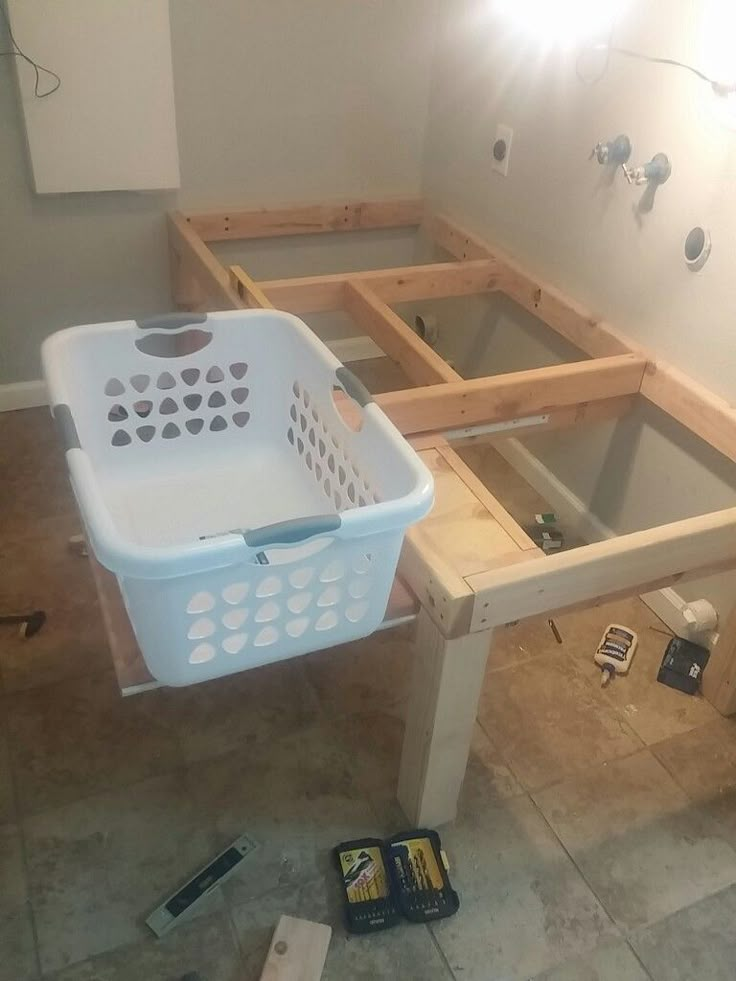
298, 951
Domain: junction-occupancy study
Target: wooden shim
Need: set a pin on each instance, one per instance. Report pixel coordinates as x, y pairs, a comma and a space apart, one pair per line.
315, 294
199, 262
638, 562
394, 336
447, 678
566, 316
310, 219
248, 290
298, 951
512, 396
687, 401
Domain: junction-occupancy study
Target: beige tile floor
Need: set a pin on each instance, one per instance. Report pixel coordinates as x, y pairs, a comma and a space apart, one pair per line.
596, 837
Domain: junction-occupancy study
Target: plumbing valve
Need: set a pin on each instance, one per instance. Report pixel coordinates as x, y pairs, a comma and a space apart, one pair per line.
657, 171
615, 151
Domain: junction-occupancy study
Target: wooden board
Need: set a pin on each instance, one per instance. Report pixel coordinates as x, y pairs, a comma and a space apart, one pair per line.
399, 342
315, 294
248, 290
195, 260
309, 219
635, 563
298, 951
503, 397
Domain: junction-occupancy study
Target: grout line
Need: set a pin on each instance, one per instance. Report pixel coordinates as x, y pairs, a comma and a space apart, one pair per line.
440, 951
636, 955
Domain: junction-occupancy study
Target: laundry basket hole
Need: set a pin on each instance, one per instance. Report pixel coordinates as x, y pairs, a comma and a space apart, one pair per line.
190, 376
300, 578
238, 370
241, 419
168, 407
166, 380
327, 621
338, 501
330, 596
120, 438
271, 586
318, 471
215, 375
201, 628
303, 422
328, 487
201, 603
362, 564
293, 412
118, 413
140, 382
240, 395
331, 463
267, 612
295, 628
170, 431
322, 448
235, 593
359, 588
290, 436
114, 387
216, 400
192, 401
201, 654
143, 408
351, 493
218, 424
312, 437
146, 433
266, 637
308, 460
300, 445
333, 572
234, 619
195, 426
307, 399
296, 389
234, 644
356, 611
299, 602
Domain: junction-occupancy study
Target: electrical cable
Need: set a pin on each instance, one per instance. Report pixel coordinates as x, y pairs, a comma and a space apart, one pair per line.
719, 88
38, 69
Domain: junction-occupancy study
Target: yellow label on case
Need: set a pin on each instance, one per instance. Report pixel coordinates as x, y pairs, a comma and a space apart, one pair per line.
364, 874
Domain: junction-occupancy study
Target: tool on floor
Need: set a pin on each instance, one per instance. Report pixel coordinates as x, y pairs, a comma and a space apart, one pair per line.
298, 951
29, 623
546, 518
407, 875
616, 651
186, 899
683, 665
553, 627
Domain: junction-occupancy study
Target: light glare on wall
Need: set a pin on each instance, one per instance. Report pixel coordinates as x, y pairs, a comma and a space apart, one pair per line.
560, 22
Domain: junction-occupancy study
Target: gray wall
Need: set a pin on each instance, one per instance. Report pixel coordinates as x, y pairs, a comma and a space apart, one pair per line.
568, 221
276, 101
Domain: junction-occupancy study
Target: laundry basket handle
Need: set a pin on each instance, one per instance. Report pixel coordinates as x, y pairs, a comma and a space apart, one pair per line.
353, 386
293, 531
171, 321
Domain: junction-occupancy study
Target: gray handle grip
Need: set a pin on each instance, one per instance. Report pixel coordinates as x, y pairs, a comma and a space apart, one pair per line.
171, 321
293, 531
353, 386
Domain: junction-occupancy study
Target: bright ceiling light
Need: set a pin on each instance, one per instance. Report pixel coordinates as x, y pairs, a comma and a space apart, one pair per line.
560, 22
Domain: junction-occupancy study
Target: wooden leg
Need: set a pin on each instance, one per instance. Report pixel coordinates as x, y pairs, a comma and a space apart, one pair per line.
719, 678
447, 678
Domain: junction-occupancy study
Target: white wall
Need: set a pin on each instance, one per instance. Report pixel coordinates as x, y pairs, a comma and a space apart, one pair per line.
276, 100
567, 220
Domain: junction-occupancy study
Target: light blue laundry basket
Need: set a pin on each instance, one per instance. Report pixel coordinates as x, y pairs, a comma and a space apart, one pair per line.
246, 520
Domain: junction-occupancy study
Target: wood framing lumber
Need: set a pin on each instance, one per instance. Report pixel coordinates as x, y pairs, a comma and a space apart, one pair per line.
310, 219
315, 294
566, 316
700, 410
395, 337
638, 562
197, 261
522, 393
298, 951
719, 678
248, 290
447, 678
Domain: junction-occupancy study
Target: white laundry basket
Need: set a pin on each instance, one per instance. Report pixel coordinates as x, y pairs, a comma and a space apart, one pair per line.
246, 520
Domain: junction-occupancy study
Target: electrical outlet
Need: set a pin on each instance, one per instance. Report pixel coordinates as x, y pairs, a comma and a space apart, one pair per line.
501, 149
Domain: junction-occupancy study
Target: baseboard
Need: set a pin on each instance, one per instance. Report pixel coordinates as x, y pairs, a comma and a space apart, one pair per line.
29, 394
667, 604
22, 395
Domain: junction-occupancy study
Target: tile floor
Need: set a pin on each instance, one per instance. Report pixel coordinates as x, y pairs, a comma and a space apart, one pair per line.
597, 830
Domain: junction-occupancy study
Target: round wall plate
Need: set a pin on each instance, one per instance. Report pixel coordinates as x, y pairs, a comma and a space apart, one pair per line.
697, 248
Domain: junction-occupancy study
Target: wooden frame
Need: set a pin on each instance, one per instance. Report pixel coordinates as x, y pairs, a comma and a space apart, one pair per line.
469, 565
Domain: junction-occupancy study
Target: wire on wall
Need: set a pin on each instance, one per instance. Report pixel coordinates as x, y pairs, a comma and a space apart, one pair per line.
39, 70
